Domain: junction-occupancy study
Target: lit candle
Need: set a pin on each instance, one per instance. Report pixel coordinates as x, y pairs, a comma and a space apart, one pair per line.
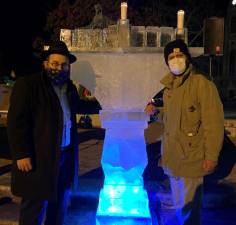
217, 50
124, 7
180, 21
45, 47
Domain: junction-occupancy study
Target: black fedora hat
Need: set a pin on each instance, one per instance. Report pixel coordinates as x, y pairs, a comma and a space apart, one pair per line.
58, 47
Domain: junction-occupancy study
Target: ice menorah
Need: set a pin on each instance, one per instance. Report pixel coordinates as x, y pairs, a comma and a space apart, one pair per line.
123, 78
123, 83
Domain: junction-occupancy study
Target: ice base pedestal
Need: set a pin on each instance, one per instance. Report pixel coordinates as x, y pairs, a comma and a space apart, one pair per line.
123, 201
124, 159
102, 220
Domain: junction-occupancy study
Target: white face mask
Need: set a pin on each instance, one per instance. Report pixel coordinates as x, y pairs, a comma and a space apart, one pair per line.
177, 65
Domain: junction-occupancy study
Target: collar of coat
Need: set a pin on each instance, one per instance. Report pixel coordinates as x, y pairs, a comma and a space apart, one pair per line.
171, 82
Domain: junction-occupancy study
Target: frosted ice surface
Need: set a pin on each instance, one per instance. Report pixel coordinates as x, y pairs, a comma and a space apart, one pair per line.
124, 155
120, 81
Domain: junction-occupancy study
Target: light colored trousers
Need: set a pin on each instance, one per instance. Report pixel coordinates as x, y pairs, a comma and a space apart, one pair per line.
187, 198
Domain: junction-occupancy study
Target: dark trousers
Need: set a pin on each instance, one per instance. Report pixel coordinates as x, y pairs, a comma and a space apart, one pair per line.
34, 211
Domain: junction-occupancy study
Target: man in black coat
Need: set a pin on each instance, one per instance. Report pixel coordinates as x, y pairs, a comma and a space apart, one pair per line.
43, 138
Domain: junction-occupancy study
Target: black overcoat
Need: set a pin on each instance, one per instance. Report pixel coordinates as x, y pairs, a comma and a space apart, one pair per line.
35, 121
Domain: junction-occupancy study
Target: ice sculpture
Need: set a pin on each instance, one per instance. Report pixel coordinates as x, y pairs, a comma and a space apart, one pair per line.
123, 84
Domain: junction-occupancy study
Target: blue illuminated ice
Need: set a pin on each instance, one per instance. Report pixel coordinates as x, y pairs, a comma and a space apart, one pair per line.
123, 161
123, 83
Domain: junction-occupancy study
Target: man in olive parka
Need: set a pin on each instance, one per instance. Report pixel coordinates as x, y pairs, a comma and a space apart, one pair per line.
193, 121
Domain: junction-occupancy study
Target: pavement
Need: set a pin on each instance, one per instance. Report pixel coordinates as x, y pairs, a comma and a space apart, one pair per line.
219, 203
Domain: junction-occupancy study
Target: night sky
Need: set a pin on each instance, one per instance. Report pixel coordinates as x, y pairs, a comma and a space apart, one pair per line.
21, 21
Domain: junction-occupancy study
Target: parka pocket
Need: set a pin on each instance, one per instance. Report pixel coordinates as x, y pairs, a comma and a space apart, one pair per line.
190, 140
192, 147
191, 118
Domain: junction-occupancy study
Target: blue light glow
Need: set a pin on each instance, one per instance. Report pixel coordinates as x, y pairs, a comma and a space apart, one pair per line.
122, 221
134, 211
124, 159
123, 201
112, 209
136, 190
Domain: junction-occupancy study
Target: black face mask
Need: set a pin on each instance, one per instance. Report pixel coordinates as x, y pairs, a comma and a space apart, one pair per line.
58, 77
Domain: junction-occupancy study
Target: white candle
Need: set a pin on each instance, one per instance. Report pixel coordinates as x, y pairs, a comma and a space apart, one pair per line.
45, 47
180, 20
124, 7
217, 49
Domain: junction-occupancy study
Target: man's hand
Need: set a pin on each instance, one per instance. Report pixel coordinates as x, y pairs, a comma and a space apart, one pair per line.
209, 166
24, 164
150, 109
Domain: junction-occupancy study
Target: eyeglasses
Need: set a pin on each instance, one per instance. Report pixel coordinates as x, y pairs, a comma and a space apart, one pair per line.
56, 65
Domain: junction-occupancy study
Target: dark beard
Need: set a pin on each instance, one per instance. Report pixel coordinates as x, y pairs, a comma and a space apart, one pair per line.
58, 78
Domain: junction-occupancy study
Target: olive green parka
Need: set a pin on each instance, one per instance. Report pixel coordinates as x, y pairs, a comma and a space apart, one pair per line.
193, 124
